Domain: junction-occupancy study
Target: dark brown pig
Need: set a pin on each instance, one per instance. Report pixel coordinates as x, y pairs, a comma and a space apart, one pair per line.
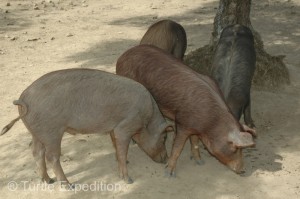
190, 99
233, 69
167, 35
89, 101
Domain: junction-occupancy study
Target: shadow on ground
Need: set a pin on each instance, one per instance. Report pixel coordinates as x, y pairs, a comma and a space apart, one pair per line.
276, 135
197, 24
13, 20
94, 56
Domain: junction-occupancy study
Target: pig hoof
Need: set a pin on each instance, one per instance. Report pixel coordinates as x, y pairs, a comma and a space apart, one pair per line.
50, 181
170, 174
200, 162
128, 180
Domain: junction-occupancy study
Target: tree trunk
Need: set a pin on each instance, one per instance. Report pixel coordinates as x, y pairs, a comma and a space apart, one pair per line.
270, 70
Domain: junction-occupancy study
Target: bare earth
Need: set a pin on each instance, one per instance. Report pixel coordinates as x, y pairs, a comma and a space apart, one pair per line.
37, 37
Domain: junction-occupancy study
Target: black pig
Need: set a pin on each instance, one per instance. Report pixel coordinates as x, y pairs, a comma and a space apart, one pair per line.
233, 69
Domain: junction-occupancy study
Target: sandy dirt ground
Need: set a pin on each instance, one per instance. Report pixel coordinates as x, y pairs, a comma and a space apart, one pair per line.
37, 37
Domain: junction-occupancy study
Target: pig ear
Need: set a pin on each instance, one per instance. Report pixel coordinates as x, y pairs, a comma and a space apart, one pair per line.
250, 130
241, 139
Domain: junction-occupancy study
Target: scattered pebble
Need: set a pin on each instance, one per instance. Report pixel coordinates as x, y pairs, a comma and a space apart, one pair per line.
36, 7
8, 4
67, 159
70, 35
52, 38
33, 39
11, 38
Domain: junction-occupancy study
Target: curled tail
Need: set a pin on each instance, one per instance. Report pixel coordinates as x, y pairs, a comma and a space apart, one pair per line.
24, 112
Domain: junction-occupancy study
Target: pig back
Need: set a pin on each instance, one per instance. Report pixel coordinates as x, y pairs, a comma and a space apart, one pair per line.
234, 60
86, 99
167, 35
178, 90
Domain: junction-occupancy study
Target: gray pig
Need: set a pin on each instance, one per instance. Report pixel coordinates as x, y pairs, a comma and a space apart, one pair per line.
89, 101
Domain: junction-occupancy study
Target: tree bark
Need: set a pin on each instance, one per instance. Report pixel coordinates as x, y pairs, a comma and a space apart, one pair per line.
270, 70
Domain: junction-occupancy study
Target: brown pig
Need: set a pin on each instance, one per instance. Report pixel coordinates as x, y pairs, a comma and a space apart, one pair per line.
190, 99
167, 35
89, 101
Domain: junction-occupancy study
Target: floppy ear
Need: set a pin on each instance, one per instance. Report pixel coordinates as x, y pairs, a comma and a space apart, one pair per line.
241, 139
249, 130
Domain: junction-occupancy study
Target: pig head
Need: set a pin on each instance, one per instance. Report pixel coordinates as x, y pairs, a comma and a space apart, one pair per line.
152, 138
227, 147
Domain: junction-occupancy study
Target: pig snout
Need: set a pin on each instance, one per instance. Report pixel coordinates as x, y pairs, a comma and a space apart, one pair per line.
161, 157
237, 166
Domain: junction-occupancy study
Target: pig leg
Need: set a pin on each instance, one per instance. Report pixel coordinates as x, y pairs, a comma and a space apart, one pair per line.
194, 140
178, 145
38, 151
247, 115
122, 143
236, 111
53, 151
113, 139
